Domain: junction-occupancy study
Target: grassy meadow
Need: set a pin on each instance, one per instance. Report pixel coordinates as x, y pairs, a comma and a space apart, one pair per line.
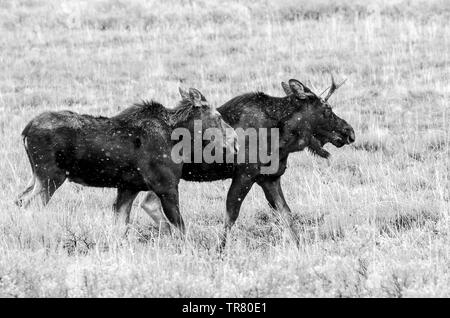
373, 221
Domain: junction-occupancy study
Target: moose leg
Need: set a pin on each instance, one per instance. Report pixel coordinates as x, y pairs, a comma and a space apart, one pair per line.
44, 187
163, 181
152, 206
274, 194
240, 186
170, 204
19, 200
122, 205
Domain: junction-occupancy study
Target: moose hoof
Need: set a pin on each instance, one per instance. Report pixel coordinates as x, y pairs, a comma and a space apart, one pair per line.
19, 203
163, 228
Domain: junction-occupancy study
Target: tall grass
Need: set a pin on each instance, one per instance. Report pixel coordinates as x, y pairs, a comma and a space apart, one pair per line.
374, 221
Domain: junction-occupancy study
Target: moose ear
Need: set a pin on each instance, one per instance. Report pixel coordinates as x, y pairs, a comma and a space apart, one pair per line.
300, 90
286, 88
184, 94
197, 98
297, 88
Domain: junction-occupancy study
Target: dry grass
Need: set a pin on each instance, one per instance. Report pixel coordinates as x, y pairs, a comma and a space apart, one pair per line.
373, 222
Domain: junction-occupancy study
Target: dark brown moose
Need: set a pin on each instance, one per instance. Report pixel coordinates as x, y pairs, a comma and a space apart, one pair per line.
130, 151
304, 119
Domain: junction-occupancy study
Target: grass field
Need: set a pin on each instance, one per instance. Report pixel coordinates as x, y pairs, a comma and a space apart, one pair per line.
373, 221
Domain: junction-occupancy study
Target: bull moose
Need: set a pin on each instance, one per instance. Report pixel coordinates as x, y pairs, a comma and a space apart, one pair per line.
304, 119
130, 151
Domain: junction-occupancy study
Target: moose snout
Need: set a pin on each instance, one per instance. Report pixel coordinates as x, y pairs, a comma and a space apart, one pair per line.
350, 133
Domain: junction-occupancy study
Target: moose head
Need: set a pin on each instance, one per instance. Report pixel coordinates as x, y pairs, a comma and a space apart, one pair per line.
325, 125
211, 121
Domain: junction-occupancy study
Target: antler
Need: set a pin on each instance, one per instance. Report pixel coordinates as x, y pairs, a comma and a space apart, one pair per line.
333, 87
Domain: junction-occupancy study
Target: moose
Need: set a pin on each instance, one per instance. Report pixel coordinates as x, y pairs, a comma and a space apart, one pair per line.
130, 151
304, 119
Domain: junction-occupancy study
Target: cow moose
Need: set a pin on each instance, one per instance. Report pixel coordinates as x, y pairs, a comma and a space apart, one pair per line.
130, 151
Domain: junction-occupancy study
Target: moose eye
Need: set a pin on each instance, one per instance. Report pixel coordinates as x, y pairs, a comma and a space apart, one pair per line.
327, 112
